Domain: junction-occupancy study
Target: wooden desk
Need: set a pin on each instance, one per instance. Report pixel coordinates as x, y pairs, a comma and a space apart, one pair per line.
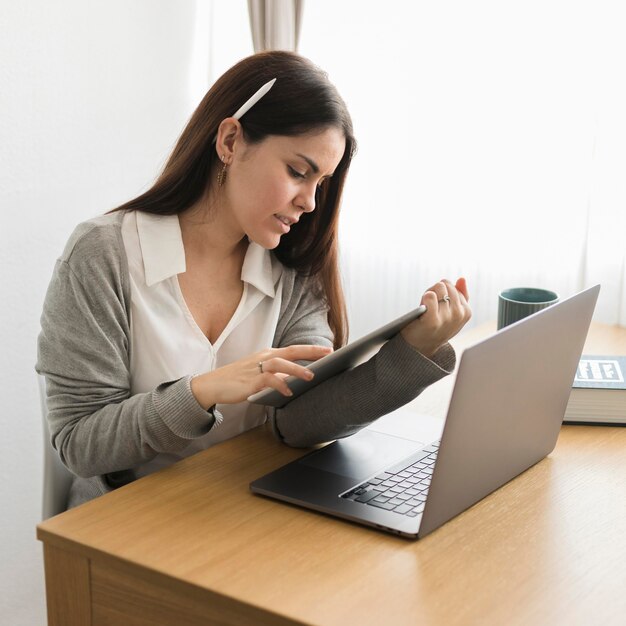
190, 545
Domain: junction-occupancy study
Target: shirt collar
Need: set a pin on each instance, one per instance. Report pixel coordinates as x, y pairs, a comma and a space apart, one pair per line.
161, 246
257, 269
164, 254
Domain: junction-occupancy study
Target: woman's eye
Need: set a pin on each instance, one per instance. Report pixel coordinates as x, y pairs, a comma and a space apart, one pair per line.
295, 173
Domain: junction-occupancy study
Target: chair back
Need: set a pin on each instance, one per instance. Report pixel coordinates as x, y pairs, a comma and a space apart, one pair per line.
57, 479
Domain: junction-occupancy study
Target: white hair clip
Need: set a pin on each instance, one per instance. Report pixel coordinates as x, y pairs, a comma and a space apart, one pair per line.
248, 104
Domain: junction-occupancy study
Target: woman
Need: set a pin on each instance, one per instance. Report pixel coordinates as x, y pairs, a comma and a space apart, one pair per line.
160, 315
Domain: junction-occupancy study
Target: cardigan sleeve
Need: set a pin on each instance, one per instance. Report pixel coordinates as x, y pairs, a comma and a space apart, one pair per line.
83, 351
347, 402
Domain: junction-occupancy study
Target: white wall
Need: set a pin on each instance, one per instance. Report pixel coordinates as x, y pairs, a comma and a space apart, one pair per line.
93, 94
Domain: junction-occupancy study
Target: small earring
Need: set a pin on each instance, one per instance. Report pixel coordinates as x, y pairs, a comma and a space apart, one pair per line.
221, 177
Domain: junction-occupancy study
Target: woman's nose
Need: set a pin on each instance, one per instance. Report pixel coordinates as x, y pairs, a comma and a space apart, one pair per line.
306, 199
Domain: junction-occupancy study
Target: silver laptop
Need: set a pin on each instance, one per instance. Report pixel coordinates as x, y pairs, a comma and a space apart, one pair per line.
506, 410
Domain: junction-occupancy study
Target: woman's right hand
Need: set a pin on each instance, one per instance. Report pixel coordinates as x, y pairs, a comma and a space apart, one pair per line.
448, 311
235, 382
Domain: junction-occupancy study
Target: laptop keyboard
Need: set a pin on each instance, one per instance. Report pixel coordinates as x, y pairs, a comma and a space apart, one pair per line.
401, 490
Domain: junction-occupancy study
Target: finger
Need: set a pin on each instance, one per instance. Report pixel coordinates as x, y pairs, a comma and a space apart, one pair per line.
440, 289
288, 368
461, 285
275, 382
458, 303
430, 298
301, 352
445, 292
453, 294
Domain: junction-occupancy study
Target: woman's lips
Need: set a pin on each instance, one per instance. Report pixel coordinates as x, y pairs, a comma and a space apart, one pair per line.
284, 222
284, 227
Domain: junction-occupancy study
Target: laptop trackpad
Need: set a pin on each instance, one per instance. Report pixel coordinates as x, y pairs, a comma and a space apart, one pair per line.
362, 454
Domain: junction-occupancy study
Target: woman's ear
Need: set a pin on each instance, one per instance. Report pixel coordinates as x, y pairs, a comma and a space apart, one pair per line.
229, 137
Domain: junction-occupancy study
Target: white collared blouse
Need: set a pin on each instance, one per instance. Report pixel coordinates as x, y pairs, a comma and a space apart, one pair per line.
166, 342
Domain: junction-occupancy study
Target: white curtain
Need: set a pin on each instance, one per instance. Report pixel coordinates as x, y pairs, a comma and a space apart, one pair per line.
492, 144
275, 24
605, 258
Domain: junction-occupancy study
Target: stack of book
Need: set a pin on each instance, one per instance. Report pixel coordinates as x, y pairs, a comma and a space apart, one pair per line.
599, 391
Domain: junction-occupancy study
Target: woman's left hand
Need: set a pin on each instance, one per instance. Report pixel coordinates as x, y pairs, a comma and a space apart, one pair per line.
448, 311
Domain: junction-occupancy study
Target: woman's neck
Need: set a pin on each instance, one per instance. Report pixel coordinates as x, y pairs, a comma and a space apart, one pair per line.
208, 232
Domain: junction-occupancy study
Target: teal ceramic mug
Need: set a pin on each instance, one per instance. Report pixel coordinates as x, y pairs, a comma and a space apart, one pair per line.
519, 302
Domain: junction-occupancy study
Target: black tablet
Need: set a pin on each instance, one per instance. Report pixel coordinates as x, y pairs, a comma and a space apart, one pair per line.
345, 358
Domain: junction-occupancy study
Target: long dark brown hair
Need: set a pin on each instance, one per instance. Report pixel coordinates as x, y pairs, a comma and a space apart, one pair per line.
302, 100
